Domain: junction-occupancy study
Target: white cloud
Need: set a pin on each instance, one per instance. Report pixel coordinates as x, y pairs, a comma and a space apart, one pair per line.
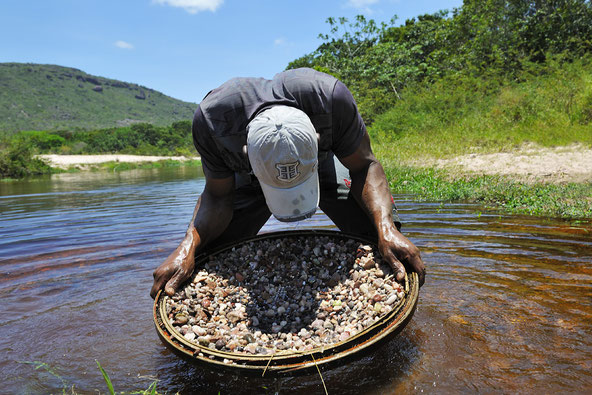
361, 3
279, 41
123, 45
193, 6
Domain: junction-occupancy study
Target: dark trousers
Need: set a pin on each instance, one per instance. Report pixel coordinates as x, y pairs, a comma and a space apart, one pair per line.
336, 200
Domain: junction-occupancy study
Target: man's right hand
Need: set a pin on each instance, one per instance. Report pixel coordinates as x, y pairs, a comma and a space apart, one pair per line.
177, 268
212, 214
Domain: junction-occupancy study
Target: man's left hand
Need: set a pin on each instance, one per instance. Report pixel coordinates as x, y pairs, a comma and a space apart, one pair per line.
399, 252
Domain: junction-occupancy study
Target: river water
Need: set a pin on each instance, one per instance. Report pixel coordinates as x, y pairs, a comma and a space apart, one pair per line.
507, 304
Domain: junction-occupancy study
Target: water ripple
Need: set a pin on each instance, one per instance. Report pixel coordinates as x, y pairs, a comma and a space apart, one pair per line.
507, 304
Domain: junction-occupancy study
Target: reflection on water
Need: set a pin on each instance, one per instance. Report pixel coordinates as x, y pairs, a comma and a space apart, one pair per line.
507, 304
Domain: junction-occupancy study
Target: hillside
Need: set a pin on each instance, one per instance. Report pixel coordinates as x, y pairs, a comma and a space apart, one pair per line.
49, 97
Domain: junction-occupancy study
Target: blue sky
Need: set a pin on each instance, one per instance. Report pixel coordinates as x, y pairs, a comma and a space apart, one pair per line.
182, 48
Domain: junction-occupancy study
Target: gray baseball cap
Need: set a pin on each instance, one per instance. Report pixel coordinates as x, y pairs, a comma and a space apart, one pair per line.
283, 152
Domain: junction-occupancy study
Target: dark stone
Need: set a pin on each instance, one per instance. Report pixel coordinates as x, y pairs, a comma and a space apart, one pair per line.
98, 88
141, 95
117, 84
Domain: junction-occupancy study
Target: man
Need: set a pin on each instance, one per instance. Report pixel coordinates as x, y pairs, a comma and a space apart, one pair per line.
285, 146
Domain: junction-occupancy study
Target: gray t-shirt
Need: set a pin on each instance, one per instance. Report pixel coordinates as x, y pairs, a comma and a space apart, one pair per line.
220, 121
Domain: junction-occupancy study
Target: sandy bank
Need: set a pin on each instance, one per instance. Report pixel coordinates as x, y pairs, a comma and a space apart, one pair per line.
530, 163
65, 161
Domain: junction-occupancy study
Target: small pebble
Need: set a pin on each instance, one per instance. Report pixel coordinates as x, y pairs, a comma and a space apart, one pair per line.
317, 324
220, 344
391, 299
198, 330
244, 300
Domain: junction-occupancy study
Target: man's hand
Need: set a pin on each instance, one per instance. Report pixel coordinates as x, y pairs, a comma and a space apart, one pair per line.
177, 267
398, 251
212, 214
370, 188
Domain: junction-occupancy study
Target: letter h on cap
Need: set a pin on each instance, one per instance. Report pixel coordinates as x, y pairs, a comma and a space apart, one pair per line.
287, 171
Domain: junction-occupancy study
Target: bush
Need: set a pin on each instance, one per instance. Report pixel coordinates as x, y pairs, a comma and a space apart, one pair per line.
484, 38
17, 160
548, 105
42, 140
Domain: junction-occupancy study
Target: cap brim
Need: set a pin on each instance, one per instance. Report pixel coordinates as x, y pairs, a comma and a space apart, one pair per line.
293, 204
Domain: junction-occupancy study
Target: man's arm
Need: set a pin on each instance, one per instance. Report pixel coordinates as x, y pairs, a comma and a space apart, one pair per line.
370, 188
211, 216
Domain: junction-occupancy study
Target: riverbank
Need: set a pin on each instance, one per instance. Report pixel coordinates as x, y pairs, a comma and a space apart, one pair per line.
114, 162
82, 161
531, 179
553, 182
529, 163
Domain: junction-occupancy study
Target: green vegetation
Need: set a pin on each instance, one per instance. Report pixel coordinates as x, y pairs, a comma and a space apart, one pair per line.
137, 139
17, 160
484, 38
487, 77
549, 106
17, 150
48, 97
151, 389
554, 200
52, 372
121, 166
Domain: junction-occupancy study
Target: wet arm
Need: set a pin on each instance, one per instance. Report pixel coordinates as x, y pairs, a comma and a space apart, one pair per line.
213, 211
211, 216
371, 190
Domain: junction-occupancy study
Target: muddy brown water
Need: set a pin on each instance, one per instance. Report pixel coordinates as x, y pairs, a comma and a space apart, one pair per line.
507, 304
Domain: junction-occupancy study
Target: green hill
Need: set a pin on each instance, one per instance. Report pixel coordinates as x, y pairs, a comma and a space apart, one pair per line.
49, 97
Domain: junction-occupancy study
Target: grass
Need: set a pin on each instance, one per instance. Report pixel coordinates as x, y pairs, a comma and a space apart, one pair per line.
70, 389
167, 163
462, 114
548, 105
570, 201
150, 391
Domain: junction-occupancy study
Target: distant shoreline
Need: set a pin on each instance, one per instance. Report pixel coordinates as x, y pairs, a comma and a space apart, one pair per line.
66, 161
531, 179
530, 163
